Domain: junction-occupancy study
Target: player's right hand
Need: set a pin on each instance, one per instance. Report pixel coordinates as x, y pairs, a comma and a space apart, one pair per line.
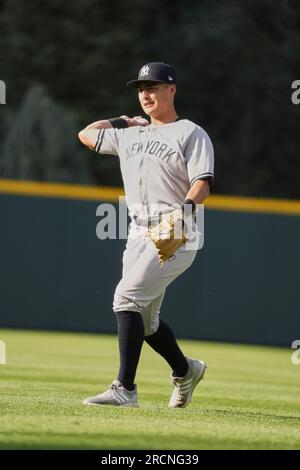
136, 121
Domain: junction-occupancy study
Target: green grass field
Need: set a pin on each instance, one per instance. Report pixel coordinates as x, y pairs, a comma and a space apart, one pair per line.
249, 399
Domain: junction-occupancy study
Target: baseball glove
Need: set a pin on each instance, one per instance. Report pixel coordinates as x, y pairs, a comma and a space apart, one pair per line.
168, 235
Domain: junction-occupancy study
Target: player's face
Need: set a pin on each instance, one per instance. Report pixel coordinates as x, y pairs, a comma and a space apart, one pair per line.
156, 98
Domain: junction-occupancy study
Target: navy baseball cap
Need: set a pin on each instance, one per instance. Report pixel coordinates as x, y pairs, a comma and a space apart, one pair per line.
155, 72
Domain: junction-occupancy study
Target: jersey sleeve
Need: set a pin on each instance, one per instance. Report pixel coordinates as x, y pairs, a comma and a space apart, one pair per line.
199, 154
108, 141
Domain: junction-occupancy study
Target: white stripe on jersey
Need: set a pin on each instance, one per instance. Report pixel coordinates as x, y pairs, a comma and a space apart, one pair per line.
99, 140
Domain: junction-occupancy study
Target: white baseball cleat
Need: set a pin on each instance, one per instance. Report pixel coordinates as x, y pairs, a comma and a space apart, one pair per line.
184, 386
116, 395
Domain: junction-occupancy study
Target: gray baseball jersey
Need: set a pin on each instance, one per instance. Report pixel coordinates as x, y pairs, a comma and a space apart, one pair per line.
158, 164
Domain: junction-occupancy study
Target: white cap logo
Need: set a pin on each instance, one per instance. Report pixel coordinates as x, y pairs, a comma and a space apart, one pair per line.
144, 71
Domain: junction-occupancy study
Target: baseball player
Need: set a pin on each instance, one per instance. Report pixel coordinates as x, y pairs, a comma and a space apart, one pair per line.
167, 166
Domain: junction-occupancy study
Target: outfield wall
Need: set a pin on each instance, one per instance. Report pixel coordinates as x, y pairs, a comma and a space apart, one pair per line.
56, 274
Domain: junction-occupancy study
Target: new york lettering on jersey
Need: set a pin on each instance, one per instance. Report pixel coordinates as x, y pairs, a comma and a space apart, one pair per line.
152, 148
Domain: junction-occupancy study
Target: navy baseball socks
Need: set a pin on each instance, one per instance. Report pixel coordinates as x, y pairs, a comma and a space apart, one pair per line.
164, 343
131, 338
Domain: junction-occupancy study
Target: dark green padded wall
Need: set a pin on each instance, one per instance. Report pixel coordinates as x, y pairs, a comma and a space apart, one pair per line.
56, 274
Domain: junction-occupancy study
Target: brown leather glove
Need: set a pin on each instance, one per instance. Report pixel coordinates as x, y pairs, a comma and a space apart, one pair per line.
168, 235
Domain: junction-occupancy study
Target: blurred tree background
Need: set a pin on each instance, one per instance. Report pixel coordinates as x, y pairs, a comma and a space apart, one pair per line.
65, 64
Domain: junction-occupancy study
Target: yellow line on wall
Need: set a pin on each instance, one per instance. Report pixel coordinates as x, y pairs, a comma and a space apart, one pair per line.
58, 190
108, 193
252, 204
